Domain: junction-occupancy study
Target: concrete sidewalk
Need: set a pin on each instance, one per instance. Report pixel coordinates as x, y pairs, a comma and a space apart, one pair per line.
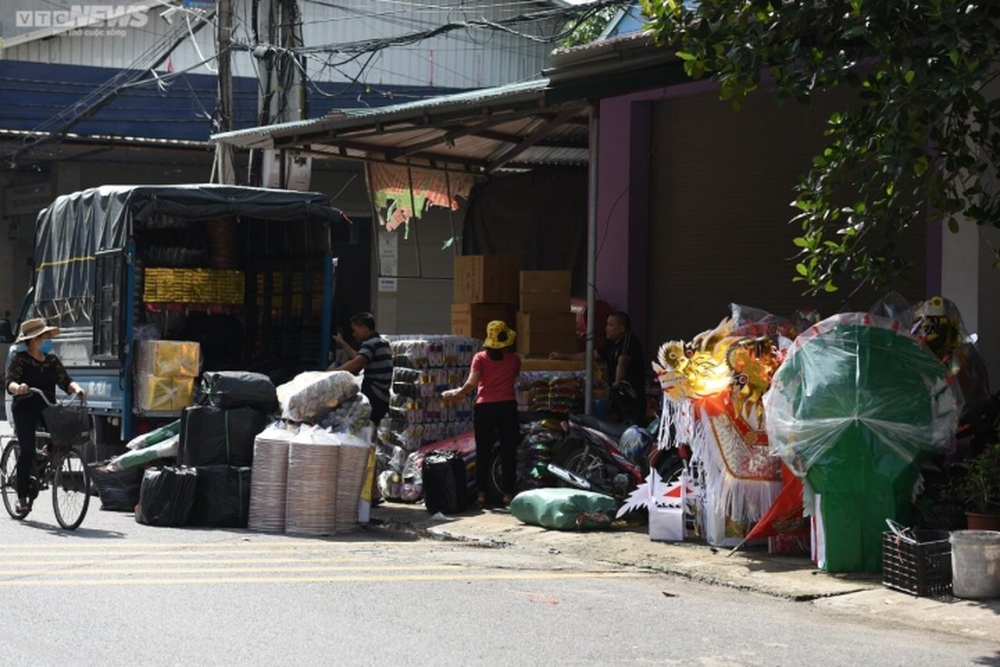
788, 577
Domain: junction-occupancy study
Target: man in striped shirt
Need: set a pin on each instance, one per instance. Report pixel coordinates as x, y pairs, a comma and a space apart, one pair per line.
374, 357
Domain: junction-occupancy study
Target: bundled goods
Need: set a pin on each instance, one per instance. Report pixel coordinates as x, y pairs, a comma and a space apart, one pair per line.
422, 368
390, 460
164, 449
270, 479
222, 497
551, 391
310, 396
165, 372
237, 389
217, 436
163, 394
311, 497
168, 358
564, 509
438, 351
352, 416
538, 439
118, 489
166, 496
412, 482
446, 487
155, 436
217, 286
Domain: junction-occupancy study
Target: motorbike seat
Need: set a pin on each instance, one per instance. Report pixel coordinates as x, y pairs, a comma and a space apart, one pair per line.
612, 429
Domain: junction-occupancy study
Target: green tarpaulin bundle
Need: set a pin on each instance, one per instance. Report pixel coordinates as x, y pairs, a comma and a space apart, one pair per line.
853, 408
564, 509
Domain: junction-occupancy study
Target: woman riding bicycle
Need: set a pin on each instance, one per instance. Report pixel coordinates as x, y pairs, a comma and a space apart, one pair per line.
35, 367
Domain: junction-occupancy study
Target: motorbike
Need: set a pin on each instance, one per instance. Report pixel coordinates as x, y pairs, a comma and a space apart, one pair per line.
610, 457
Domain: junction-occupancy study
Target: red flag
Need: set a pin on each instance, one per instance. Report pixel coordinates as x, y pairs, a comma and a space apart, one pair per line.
785, 514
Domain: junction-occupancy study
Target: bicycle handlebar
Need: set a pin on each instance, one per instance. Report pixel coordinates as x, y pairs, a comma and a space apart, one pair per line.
72, 397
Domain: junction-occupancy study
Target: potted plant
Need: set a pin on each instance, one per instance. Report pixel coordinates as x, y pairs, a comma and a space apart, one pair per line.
979, 489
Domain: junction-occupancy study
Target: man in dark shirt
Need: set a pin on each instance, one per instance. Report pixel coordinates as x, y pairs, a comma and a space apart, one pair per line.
625, 367
374, 357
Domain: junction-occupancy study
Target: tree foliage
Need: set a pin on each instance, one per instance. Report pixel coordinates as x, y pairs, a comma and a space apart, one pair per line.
589, 29
922, 143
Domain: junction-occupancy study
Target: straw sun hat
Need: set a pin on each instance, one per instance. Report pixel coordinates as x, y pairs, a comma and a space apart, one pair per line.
34, 328
499, 335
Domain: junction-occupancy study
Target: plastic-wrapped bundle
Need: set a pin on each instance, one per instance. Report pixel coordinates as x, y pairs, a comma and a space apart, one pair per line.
312, 395
352, 416
166, 496
311, 498
237, 389
165, 449
270, 479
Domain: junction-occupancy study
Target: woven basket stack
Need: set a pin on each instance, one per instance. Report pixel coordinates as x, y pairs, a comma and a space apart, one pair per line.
270, 481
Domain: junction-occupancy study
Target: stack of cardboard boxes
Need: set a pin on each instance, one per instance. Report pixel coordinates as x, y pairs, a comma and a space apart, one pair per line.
165, 374
490, 287
544, 321
485, 289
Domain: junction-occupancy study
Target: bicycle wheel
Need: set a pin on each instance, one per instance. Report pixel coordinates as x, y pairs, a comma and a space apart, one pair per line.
70, 489
8, 478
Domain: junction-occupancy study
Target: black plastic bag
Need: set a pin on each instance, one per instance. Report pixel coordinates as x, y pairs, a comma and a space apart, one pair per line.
222, 497
166, 496
445, 487
217, 436
237, 389
118, 489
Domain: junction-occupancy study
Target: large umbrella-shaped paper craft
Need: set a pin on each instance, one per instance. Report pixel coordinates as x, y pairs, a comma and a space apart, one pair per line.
852, 409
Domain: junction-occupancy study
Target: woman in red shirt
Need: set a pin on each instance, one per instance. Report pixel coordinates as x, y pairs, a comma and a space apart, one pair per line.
493, 374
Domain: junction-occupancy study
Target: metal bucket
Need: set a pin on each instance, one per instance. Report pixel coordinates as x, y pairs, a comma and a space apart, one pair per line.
975, 564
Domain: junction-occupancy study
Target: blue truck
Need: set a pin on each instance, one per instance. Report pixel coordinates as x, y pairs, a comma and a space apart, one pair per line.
248, 273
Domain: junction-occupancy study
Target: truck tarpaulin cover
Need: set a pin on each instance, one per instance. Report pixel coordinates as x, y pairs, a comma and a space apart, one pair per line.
76, 226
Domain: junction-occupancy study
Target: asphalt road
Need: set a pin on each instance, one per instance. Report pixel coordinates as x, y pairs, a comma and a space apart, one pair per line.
119, 593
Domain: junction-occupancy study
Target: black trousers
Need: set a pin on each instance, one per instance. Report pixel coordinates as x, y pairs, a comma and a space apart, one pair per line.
492, 422
25, 425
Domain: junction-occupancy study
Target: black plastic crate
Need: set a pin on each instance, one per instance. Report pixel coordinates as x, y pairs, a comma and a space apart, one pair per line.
917, 562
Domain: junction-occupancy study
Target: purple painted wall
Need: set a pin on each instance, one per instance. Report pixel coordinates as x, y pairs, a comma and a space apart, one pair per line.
625, 149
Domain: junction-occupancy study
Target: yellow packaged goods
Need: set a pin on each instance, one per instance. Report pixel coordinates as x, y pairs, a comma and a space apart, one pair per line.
485, 279
193, 286
163, 394
470, 319
169, 358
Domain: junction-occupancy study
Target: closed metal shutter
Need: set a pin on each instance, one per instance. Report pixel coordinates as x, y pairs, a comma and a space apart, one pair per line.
721, 187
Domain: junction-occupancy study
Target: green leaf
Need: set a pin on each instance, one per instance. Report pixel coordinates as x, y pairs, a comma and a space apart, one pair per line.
908, 77
830, 287
953, 225
801, 269
800, 242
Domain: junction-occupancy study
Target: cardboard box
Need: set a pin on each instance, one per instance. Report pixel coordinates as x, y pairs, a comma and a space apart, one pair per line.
546, 322
168, 358
544, 302
485, 279
470, 319
544, 291
540, 344
546, 281
163, 394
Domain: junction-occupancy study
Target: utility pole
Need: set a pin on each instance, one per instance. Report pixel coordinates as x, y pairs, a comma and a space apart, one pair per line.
278, 29
223, 170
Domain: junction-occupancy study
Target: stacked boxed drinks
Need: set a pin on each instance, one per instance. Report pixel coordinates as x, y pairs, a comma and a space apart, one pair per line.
423, 367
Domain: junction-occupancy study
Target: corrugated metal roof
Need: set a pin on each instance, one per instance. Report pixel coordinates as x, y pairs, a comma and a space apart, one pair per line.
479, 131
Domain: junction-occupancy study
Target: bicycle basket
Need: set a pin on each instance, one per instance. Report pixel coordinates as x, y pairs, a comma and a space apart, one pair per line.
68, 426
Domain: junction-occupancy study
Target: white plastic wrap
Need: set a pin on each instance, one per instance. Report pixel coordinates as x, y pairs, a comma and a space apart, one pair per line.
861, 372
310, 396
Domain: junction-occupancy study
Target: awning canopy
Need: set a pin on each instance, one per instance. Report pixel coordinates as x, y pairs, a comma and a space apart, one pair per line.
480, 132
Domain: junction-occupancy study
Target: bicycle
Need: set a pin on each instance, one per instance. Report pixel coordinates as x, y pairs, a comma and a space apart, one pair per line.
58, 464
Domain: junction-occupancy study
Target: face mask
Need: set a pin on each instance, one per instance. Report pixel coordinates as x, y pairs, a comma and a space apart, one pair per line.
46, 346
